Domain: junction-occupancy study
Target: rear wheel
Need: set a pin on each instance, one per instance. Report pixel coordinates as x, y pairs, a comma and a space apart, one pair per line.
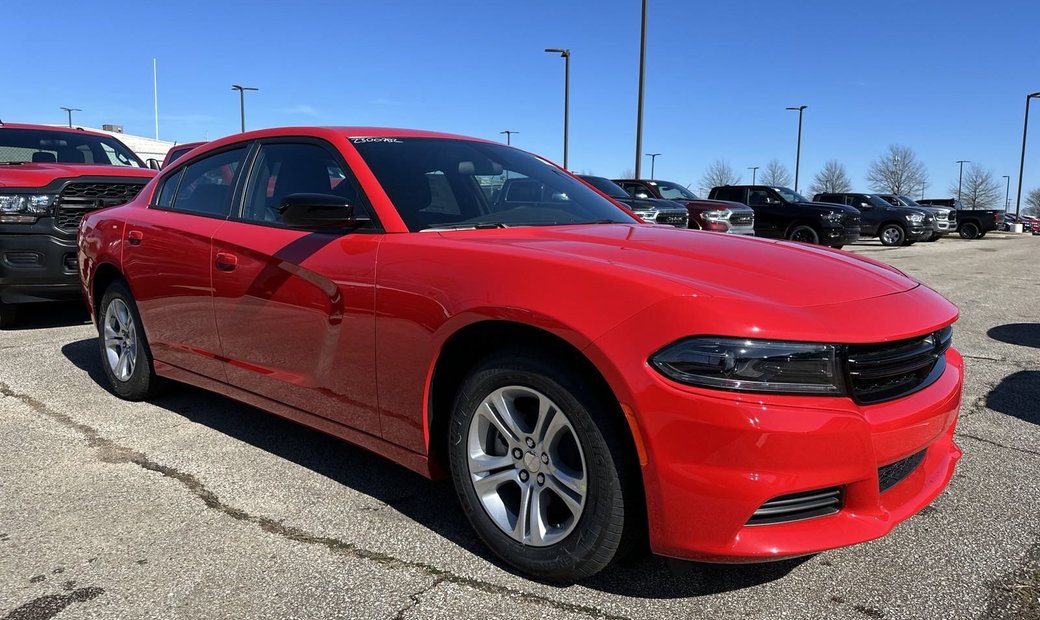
892, 234
125, 355
982, 234
968, 230
8, 314
804, 233
538, 468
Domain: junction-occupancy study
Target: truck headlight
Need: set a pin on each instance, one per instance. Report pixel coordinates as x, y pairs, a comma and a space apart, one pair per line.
916, 218
721, 215
832, 216
24, 208
752, 365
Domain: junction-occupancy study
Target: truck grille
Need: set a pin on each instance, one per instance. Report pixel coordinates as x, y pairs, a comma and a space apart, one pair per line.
78, 199
679, 220
798, 506
880, 372
742, 219
892, 474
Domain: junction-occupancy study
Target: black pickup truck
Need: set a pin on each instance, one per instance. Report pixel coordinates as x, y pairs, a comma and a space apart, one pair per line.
782, 213
971, 223
892, 224
650, 209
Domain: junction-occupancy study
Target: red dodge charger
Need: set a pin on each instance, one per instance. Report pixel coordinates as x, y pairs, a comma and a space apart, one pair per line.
586, 380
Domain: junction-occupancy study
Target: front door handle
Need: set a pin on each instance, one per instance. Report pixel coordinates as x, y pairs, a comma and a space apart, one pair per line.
134, 237
226, 262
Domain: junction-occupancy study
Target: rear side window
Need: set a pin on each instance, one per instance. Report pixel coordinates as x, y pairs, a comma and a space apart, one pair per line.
733, 194
168, 190
206, 185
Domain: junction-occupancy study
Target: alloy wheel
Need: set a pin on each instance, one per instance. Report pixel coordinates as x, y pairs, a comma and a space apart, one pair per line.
120, 334
892, 235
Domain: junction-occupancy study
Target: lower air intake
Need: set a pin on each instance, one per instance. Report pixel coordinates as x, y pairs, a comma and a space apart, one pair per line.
798, 506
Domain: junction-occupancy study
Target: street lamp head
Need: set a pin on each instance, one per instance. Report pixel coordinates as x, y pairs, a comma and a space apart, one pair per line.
242, 88
1035, 95
563, 52
797, 108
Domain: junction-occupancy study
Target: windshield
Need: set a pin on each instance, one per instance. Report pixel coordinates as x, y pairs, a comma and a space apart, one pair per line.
674, 191
907, 201
438, 183
789, 194
67, 147
606, 186
878, 201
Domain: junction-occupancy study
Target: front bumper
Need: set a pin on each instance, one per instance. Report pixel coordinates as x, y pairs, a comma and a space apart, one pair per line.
37, 266
919, 233
839, 236
717, 457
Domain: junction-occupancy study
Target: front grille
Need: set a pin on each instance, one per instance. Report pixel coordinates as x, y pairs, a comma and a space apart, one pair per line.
798, 506
78, 199
850, 220
892, 474
742, 219
680, 220
879, 372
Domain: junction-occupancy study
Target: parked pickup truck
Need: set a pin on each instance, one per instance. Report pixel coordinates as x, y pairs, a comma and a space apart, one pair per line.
945, 218
715, 215
177, 150
782, 213
893, 225
971, 223
49, 178
650, 209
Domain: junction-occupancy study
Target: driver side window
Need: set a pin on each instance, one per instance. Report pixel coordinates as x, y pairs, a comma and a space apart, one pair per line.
759, 197
282, 169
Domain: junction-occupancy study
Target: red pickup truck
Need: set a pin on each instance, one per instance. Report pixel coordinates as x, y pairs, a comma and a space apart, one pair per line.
49, 178
718, 215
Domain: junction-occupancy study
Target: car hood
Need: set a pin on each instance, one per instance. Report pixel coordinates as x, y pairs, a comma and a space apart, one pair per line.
645, 204
41, 174
687, 262
829, 206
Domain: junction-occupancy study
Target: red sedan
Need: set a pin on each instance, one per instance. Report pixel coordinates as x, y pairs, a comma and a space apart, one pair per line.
586, 380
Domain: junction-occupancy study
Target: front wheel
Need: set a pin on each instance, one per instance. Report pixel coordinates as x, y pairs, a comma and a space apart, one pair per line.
804, 233
982, 234
537, 467
968, 230
892, 234
125, 355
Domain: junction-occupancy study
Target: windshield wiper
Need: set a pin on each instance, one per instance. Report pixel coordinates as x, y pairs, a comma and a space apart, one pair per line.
467, 226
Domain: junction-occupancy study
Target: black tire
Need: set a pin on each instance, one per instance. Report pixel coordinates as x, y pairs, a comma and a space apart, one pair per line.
609, 522
892, 235
968, 230
8, 315
141, 381
804, 233
934, 237
838, 247
982, 234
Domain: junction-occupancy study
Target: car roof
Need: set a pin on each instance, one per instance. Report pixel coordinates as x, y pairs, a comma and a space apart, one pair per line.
75, 130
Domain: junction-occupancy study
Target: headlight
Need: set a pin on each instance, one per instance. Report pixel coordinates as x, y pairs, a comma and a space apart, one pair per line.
752, 365
647, 214
718, 216
832, 216
916, 218
24, 208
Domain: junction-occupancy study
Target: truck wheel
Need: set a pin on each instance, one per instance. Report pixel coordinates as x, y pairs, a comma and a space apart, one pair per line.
125, 355
8, 313
892, 234
934, 237
804, 234
982, 234
968, 230
538, 468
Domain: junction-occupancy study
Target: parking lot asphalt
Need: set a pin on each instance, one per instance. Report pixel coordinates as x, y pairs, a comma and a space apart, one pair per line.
196, 506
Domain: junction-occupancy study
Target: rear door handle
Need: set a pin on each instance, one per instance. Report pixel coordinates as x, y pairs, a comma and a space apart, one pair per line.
134, 237
226, 262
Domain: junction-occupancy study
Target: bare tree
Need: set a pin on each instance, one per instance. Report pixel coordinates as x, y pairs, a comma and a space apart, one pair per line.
718, 173
898, 172
978, 190
776, 174
832, 179
627, 173
1032, 206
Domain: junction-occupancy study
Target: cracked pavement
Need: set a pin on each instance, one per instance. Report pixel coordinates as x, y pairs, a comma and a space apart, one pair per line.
195, 506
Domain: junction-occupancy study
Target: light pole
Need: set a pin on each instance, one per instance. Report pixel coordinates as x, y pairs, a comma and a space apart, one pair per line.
1022, 162
798, 152
653, 158
639, 104
509, 133
960, 176
754, 171
242, 101
566, 55
70, 111
1007, 192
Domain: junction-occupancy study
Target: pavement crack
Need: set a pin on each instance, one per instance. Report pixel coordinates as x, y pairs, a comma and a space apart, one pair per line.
998, 444
415, 598
111, 452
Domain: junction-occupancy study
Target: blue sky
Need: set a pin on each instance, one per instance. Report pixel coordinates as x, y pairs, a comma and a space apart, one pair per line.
947, 79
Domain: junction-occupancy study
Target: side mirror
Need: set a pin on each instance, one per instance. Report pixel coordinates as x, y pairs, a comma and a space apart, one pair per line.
152, 163
318, 211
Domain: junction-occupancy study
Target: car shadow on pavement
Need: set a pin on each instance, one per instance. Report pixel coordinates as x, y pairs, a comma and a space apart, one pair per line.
1023, 334
1015, 395
47, 315
430, 503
